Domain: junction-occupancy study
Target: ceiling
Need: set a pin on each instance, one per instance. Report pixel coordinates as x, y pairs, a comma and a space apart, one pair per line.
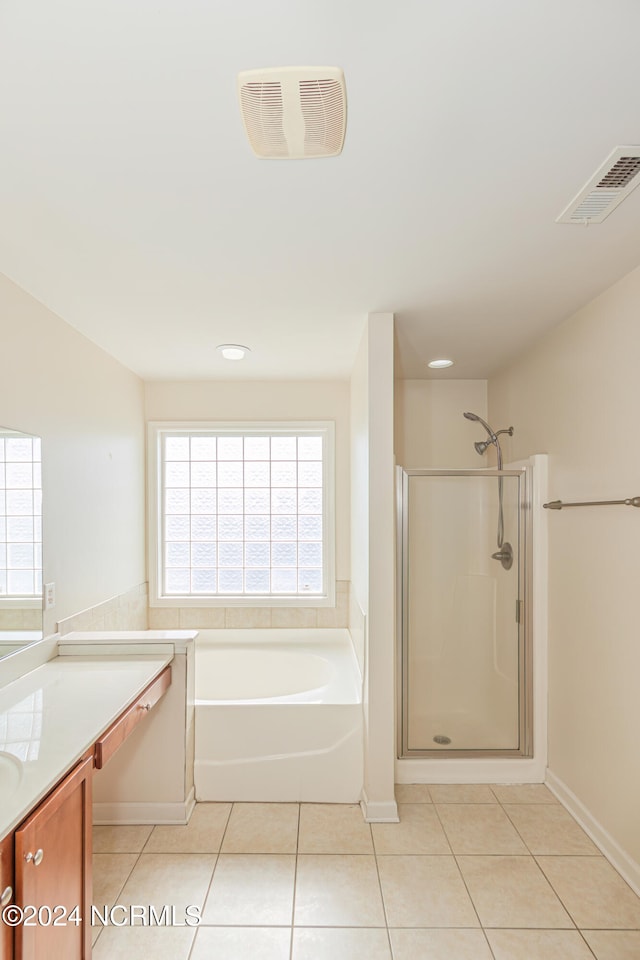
132, 206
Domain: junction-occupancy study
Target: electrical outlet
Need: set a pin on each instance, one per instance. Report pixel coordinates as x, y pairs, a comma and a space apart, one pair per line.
49, 596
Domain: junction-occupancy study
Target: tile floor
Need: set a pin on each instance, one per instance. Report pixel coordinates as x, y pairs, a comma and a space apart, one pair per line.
471, 872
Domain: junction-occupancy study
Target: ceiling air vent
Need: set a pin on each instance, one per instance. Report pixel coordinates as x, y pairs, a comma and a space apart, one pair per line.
294, 112
608, 187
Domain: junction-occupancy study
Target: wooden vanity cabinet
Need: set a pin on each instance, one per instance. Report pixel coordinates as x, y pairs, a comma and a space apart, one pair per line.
53, 869
6, 895
46, 862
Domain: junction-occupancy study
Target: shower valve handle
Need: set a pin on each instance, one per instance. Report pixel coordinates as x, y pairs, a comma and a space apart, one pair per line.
505, 556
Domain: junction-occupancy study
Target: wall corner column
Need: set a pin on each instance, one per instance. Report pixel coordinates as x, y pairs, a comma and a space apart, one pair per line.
373, 555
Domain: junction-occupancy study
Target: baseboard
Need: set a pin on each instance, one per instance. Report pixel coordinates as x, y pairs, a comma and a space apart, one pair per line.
131, 813
617, 857
379, 812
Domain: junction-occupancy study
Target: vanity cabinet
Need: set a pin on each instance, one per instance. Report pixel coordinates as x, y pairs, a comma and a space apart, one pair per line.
6, 895
45, 861
53, 870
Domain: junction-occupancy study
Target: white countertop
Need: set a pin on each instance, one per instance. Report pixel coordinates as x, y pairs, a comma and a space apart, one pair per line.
52, 715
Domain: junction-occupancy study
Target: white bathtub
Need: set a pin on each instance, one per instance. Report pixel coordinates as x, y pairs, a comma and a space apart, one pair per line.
278, 716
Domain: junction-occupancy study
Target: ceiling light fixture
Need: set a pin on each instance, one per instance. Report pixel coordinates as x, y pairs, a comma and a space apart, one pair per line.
233, 351
440, 364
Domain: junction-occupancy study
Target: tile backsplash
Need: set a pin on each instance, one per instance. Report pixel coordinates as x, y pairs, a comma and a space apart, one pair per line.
128, 611
211, 618
20, 618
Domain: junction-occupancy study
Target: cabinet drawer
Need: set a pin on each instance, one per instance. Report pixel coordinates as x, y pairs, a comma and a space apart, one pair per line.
121, 728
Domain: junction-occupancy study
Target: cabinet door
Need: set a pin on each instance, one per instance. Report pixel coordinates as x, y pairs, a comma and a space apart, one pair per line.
6, 894
53, 869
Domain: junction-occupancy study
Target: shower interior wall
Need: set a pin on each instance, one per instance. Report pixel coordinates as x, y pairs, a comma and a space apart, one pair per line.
430, 432
429, 429
462, 670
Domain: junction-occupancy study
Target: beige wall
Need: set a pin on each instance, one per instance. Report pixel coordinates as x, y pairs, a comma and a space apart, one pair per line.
280, 400
576, 395
430, 430
89, 411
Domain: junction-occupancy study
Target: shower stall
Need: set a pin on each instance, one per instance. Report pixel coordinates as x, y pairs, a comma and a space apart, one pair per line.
464, 651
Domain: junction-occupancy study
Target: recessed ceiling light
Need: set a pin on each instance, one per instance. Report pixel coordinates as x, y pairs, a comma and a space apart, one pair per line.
440, 364
233, 351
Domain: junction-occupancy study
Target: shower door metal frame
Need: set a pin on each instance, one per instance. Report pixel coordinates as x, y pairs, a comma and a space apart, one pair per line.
525, 636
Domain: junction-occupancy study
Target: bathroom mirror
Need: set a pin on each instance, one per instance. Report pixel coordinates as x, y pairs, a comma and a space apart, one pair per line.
20, 540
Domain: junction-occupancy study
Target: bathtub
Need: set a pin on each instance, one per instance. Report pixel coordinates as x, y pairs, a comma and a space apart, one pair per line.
278, 716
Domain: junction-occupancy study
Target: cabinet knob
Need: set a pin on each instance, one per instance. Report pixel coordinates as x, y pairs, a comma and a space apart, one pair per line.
35, 858
5, 896
145, 706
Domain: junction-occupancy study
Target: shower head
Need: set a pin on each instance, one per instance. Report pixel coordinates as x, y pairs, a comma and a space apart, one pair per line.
474, 416
482, 445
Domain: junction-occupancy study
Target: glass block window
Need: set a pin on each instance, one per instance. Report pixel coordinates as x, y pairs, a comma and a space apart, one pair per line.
20, 516
244, 512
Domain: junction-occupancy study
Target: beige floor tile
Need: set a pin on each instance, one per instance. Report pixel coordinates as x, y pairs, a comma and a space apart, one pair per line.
593, 893
419, 831
538, 945
338, 891
203, 833
242, 943
523, 793
461, 793
413, 793
425, 892
614, 944
143, 943
262, 828
479, 828
172, 879
125, 839
327, 943
333, 828
251, 889
110, 873
512, 892
548, 828
439, 945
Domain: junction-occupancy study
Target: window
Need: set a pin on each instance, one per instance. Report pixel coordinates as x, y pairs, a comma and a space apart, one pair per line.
241, 514
20, 517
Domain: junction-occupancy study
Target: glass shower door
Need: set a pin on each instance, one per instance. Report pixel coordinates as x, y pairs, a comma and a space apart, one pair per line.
463, 651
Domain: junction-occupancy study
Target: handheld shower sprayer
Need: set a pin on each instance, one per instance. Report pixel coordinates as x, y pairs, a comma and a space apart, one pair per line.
481, 446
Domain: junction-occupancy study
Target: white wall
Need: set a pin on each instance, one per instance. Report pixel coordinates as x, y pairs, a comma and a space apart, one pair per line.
373, 547
430, 430
272, 400
89, 411
576, 395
